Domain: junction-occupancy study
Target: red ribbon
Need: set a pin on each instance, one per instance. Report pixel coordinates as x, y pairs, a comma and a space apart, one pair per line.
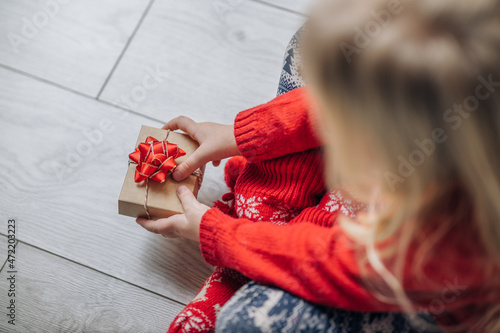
155, 159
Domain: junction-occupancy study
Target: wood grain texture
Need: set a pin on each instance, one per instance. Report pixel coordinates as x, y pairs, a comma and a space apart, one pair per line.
65, 155
56, 295
74, 44
62, 187
300, 6
209, 63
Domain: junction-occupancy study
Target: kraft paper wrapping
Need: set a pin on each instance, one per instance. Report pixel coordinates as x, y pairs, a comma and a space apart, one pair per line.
162, 200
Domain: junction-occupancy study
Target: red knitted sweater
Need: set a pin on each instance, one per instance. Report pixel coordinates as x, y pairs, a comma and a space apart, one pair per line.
317, 260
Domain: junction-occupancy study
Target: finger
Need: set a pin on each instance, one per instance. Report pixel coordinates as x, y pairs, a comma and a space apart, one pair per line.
186, 197
193, 162
216, 163
167, 226
183, 123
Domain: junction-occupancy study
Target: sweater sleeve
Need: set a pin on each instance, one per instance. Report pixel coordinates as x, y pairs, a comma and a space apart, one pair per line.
282, 126
316, 263
320, 264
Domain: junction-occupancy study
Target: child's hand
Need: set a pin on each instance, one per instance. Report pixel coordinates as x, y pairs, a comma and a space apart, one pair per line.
216, 142
185, 225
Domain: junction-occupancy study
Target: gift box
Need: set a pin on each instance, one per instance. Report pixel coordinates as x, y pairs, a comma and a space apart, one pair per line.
149, 190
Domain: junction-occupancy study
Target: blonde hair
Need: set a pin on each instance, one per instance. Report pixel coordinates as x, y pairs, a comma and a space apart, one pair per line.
408, 94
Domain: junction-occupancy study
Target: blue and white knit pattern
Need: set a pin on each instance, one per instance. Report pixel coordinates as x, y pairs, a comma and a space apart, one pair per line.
259, 308
290, 74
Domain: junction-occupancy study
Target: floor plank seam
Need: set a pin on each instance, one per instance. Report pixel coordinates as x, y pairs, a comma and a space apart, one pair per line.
279, 7
99, 271
76, 92
125, 48
40, 79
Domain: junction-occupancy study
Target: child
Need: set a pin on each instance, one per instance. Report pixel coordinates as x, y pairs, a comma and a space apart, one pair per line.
407, 102
261, 191
265, 190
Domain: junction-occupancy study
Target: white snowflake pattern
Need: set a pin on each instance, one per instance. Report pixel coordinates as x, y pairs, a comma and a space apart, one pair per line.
217, 309
201, 296
282, 215
345, 205
194, 319
248, 207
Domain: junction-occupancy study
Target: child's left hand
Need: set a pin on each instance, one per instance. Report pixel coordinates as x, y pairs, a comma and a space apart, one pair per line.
185, 225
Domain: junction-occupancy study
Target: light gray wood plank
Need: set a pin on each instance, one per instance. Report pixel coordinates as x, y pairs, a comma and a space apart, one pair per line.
55, 295
73, 43
300, 6
212, 62
63, 189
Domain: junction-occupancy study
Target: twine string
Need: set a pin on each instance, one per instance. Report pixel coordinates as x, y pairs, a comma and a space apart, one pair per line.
146, 199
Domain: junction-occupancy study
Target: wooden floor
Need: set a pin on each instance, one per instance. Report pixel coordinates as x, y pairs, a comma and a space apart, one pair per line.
77, 80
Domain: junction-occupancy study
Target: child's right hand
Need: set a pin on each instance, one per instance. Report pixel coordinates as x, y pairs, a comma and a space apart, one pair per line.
216, 143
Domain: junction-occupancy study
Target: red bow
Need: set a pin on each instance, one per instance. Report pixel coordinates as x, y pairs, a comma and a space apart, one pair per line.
155, 159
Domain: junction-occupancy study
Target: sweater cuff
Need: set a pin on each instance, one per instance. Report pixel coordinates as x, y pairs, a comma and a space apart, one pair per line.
246, 134
208, 234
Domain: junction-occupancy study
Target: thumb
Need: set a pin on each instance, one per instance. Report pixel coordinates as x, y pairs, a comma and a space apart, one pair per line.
187, 167
186, 197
